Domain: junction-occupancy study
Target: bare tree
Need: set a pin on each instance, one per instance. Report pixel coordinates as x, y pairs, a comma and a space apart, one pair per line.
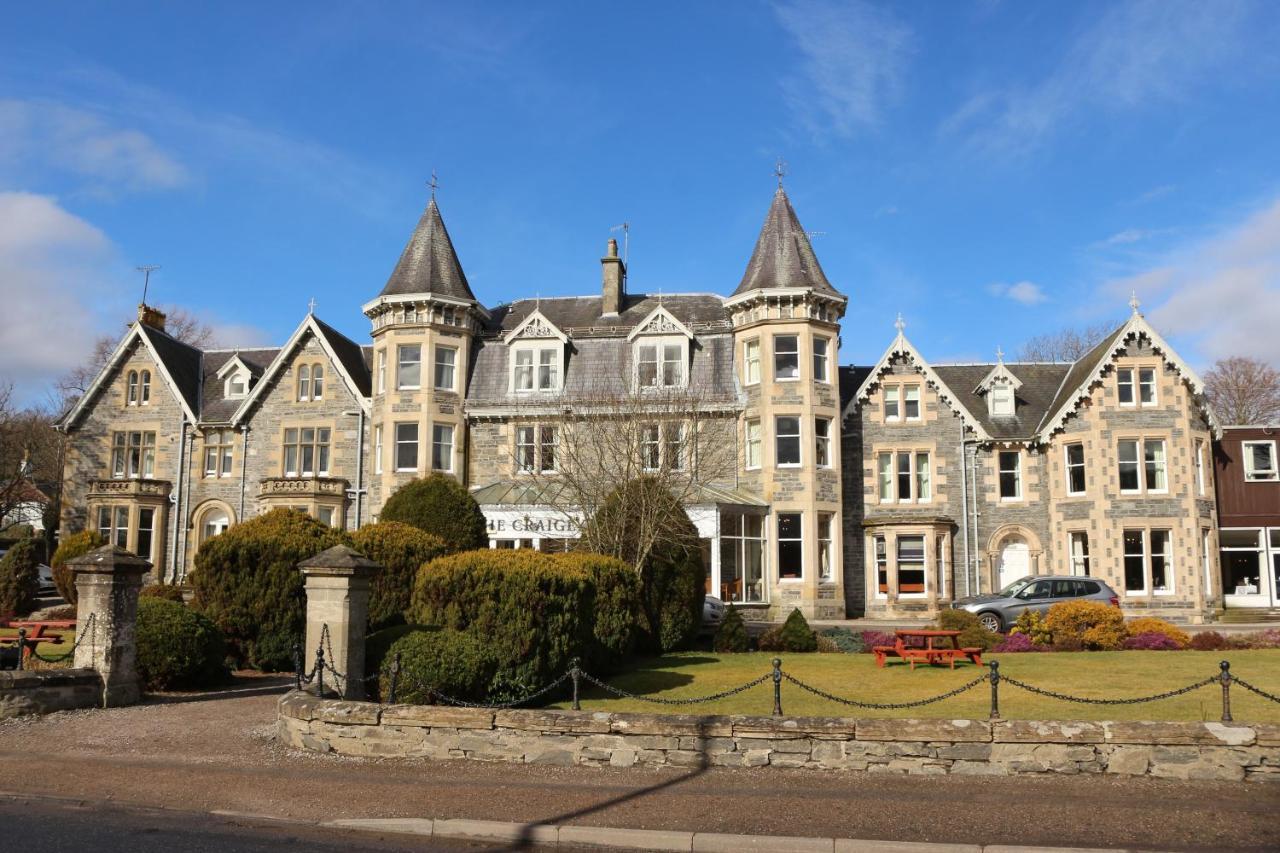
30, 458
1064, 345
580, 453
1243, 391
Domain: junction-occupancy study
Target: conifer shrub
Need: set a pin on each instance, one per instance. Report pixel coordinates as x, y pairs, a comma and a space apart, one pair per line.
972, 634
177, 648
247, 581
618, 614
843, 639
1092, 624
71, 546
672, 576
535, 611
731, 636
401, 549
459, 664
167, 591
794, 635
19, 578
1151, 625
439, 505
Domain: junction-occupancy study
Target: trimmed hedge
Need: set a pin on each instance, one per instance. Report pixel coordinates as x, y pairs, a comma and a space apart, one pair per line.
167, 591
455, 663
1091, 625
402, 549
247, 581
537, 612
72, 546
439, 505
19, 578
177, 647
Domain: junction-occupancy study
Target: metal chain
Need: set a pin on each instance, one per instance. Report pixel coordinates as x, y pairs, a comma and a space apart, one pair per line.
91, 627
724, 694
1247, 686
1085, 700
883, 706
462, 703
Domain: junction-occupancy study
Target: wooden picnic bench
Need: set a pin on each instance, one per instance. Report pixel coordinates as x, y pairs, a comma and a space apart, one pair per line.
38, 632
921, 646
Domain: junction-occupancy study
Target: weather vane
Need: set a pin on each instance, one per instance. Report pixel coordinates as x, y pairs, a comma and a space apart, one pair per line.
433, 183
1133, 302
780, 171
900, 324
311, 306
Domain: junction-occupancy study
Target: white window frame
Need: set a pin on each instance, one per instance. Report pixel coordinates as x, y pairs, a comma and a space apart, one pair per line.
526, 448
235, 376
219, 449
1126, 376
798, 435
377, 449
826, 547
821, 359
144, 388
304, 383
751, 362
893, 395
924, 563
320, 448
1002, 400
1160, 467
878, 560
539, 364
382, 371
1124, 557
663, 348
402, 362
131, 388
1017, 473
651, 446
1167, 555
442, 436
778, 540
916, 494
1254, 475
1197, 447
754, 444
1079, 563
317, 382
401, 442
1142, 386
1206, 557
450, 365
907, 391
1137, 463
777, 376
822, 457
1069, 466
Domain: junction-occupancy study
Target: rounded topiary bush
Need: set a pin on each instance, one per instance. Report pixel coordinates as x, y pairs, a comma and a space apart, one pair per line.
796, 635
167, 591
644, 525
71, 546
439, 505
401, 549
731, 636
1093, 625
19, 578
247, 581
177, 647
616, 624
455, 663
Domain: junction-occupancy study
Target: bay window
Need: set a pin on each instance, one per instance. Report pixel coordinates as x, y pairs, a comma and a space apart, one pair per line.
753, 444
306, 451
786, 441
790, 545
826, 547
133, 455
406, 447
446, 364
786, 357
751, 362
742, 549
408, 367
821, 360
442, 447
880, 554
910, 565
822, 442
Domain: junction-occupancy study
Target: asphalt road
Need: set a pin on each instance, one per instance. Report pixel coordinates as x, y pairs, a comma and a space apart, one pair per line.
39, 826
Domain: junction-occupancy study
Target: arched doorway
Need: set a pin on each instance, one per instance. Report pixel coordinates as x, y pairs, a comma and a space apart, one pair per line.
1013, 560
211, 519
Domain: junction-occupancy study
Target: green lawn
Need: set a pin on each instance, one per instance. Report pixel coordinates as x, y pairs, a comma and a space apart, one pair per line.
48, 649
1089, 674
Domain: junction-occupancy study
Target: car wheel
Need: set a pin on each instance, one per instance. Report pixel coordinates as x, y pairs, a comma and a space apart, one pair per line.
990, 621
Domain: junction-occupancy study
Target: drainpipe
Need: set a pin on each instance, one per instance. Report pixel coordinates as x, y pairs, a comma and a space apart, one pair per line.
964, 507
186, 502
175, 500
977, 550
244, 467
359, 489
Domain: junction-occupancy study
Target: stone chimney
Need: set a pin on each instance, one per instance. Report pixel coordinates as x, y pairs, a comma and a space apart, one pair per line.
615, 278
152, 317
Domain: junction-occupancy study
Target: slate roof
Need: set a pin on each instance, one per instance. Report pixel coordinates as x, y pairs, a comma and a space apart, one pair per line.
851, 379
1034, 399
350, 353
429, 263
182, 361
1081, 369
214, 408
783, 256
582, 315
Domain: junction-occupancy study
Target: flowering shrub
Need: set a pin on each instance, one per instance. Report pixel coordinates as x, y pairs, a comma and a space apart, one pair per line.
1030, 625
1208, 641
876, 638
1150, 642
1151, 625
1019, 643
1268, 639
1097, 626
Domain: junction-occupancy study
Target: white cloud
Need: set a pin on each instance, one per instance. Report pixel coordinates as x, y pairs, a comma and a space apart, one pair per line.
854, 57
1135, 54
1022, 292
43, 134
1221, 295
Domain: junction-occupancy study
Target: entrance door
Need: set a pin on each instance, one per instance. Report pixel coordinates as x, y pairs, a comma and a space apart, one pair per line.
1015, 560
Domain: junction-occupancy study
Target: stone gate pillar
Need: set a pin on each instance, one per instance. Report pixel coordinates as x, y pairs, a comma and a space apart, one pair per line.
107, 584
338, 582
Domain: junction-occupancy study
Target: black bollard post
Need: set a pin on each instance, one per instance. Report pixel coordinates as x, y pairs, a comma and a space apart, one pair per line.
395, 679
995, 690
320, 671
22, 647
1225, 678
574, 674
777, 687
297, 666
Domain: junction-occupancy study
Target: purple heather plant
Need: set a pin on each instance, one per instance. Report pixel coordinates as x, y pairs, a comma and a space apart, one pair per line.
1151, 642
876, 638
1018, 643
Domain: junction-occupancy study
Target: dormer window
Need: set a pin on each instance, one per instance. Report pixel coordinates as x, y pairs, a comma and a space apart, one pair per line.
1001, 401
236, 379
536, 368
1000, 387
661, 351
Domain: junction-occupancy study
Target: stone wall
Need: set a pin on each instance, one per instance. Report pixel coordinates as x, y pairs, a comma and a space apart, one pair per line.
45, 691
919, 747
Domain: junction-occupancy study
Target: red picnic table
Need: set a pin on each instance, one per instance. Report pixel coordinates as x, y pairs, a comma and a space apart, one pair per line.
37, 633
923, 646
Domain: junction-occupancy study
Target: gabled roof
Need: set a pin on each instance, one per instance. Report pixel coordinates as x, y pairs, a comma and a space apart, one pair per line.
214, 407
1036, 383
999, 373
660, 322
581, 315
344, 354
178, 365
1091, 367
904, 348
536, 325
429, 263
783, 256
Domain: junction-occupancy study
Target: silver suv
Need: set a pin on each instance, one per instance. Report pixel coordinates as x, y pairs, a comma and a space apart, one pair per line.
998, 611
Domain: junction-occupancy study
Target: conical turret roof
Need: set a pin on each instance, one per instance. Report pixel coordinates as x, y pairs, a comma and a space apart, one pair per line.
429, 263
783, 256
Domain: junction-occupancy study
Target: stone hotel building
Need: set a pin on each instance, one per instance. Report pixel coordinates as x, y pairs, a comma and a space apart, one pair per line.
887, 490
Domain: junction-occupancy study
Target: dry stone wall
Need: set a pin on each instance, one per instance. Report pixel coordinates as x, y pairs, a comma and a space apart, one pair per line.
1233, 752
46, 691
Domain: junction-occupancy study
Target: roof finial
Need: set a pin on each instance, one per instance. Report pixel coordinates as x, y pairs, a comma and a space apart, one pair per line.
900, 324
311, 306
1134, 303
780, 171
433, 183
999, 355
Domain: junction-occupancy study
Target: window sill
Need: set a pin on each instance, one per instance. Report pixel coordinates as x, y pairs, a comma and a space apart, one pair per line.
791, 580
409, 388
789, 465
786, 379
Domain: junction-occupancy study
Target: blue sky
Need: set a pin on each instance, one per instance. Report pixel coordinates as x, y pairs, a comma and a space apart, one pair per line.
993, 170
